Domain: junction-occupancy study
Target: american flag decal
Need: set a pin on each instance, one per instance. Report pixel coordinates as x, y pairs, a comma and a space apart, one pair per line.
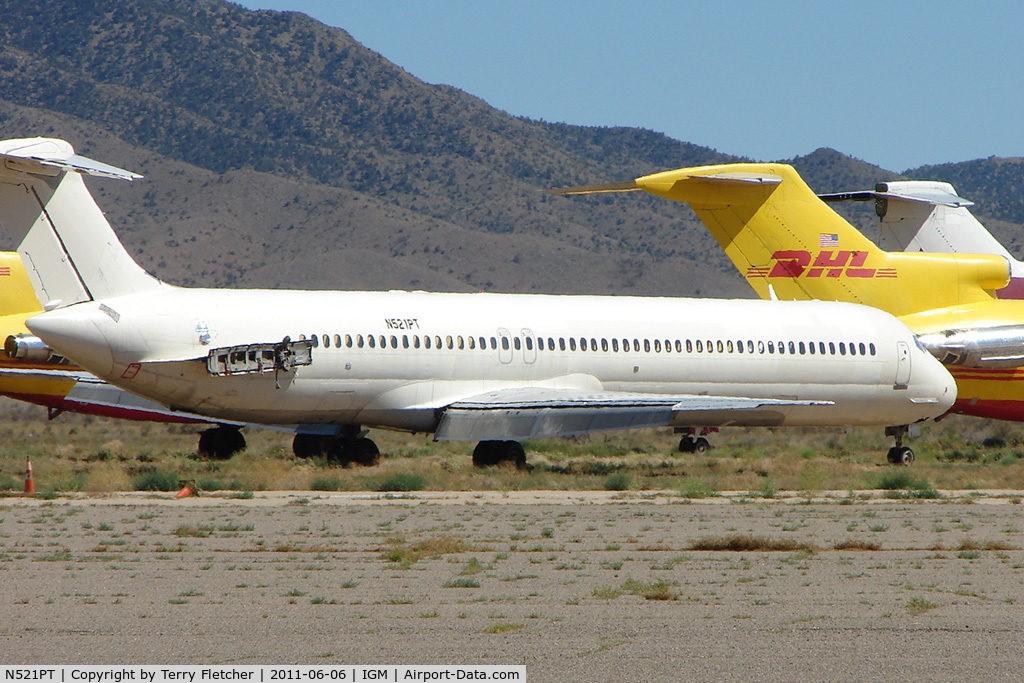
758, 271
5, 270
828, 239
886, 272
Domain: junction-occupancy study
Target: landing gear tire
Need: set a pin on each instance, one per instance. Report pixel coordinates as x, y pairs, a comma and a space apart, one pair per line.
220, 443
490, 453
308, 445
900, 455
688, 444
338, 450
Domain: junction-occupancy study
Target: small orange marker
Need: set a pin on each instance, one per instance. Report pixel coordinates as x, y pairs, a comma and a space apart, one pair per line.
30, 485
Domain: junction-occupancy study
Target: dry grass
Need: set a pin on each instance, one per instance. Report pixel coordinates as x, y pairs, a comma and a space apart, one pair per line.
745, 542
82, 453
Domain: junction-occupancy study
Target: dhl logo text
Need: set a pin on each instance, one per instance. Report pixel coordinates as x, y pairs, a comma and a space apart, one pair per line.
829, 263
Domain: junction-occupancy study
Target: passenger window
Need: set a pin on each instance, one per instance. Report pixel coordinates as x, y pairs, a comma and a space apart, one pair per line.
593, 344
561, 343
372, 341
504, 344
862, 349
494, 343
416, 341
782, 348
842, 349
315, 341
604, 345
803, 349
750, 346
832, 348
853, 349
518, 344
728, 345
437, 342
821, 348
657, 346
348, 341
583, 343
792, 347
689, 346
540, 343
426, 341
720, 347
760, 346
472, 343
636, 345
383, 342
551, 344
394, 342
810, 347
572, 343
461, 342
359, 341
647, 345
405, 341
871, 347
615, 345
449, 342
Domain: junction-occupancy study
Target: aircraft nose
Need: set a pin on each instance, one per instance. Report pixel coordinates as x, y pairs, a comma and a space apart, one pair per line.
939, 382
75, 332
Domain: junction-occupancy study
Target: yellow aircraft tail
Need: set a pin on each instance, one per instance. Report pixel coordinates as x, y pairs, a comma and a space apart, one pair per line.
779, 235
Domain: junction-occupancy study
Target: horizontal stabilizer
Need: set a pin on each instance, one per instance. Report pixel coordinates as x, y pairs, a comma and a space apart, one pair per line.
46, 156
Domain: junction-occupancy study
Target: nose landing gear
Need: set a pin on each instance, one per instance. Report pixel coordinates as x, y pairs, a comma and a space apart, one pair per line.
899, 454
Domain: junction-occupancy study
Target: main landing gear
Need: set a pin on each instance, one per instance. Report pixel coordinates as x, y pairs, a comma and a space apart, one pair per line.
691, 442
488, 453
899, 454
351, 447
220, 442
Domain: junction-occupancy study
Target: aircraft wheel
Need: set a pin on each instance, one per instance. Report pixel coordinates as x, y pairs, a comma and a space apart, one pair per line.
490, 453
308, 445
686, 444
900, 455
220, 443
701, 445
363, 452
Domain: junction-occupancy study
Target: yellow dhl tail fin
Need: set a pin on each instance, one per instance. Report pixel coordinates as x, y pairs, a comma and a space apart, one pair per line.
16, 292
778, 233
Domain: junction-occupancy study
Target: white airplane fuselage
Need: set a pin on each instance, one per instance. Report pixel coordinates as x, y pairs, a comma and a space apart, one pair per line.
430, 350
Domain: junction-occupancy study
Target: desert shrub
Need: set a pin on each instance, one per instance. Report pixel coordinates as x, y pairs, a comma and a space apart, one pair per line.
156, 480
403, 481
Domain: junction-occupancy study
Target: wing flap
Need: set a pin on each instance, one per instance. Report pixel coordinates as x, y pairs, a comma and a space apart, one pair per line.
540, 413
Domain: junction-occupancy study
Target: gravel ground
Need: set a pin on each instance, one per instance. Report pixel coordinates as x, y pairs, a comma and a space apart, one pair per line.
576, 586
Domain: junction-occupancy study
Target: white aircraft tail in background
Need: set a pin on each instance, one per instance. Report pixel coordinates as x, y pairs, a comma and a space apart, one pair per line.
928, 216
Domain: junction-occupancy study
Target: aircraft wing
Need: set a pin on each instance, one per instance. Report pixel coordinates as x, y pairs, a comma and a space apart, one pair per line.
541, 412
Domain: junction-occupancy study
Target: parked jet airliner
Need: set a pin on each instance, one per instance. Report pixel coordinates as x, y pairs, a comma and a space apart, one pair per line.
493, 368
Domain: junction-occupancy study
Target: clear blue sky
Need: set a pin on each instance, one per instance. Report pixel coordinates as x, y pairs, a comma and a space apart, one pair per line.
898, 84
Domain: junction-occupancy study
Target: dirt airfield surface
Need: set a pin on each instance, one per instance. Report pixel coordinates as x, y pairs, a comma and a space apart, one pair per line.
576, 586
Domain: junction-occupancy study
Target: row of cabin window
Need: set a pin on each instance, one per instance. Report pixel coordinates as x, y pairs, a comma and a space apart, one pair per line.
658, 346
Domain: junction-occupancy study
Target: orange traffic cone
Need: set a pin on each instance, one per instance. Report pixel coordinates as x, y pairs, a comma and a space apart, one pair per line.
30, 485
188, 489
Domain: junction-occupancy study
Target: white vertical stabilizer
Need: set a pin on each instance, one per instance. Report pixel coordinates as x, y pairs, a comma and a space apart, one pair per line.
68, 247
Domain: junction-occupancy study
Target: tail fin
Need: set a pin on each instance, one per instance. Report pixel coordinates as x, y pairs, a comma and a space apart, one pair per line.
928, 216
68, 247
16, 293
779, 234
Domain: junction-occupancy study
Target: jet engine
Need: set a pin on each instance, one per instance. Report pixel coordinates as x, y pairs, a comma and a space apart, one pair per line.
986, 347
29, 348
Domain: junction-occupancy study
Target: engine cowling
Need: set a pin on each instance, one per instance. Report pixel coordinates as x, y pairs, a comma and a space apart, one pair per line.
986, 347
29, 348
